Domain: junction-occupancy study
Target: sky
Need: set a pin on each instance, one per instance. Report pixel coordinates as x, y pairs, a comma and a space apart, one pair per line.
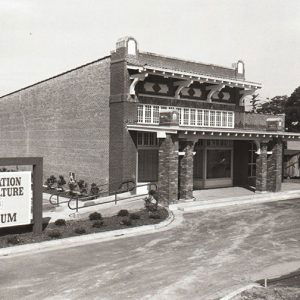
39, 39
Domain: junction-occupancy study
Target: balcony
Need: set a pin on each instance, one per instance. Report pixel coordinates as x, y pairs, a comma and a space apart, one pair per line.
253, 121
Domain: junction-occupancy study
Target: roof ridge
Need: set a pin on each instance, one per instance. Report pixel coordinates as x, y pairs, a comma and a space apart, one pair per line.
185, 60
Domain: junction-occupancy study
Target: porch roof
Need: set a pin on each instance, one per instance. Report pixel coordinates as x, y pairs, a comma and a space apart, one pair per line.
228, 133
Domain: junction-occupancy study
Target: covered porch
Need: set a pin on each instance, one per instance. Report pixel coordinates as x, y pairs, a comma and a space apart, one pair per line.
192, 160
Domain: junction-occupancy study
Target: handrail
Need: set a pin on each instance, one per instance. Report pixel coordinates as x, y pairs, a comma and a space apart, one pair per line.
76, 199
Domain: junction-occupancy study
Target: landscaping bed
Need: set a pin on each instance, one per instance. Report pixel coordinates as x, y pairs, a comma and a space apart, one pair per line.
94, 224
285, 287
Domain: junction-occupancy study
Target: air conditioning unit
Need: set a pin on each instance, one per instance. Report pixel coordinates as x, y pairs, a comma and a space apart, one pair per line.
168, 117
275, 124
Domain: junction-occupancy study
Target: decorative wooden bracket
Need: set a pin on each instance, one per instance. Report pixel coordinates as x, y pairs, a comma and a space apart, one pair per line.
181, 85
136, 78
246, 93
214, 89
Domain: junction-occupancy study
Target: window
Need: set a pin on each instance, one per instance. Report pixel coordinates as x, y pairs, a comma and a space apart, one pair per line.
206, 118
147, 139
149, 114
193, 117
252, 160
218, 163
186, 116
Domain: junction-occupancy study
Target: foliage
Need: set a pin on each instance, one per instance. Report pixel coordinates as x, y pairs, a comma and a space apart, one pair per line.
292, 110
255, 102
274, 106
14, 240
60, 222
123, 213
72, 186
80, 230
50, 181
98, 224
126, 222
61, 181
82, 185
54, 233
95, 216
94, 191
154, 216
134, 216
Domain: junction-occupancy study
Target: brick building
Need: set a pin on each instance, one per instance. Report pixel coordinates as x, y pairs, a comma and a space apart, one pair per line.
147, 117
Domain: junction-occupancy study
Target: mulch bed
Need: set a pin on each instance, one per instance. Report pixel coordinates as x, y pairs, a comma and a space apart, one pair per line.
82, 226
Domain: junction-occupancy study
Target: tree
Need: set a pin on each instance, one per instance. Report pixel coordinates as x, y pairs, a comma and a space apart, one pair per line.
274, 106
292, 110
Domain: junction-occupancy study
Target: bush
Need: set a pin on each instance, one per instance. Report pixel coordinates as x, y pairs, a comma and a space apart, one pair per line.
60, 222
98, 224
134, 216
126, 222
14, 240
54, 233
123, 213
95, 216
94, 191
82, 185
72, 186
61, 182
50, 181
154, 216
80, 230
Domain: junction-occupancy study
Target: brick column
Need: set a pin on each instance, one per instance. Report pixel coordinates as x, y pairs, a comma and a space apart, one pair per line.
186, 165
275, 167
168, 170
261, 168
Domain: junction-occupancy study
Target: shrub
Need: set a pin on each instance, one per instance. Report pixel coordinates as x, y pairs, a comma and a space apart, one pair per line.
50, 181
54, 233
61, 182
134, 216
72, 186
123, 213
82, 185
14, 240
98, 224
95, 216
126, 222
94, 191
154, 216
80, 230
60, 222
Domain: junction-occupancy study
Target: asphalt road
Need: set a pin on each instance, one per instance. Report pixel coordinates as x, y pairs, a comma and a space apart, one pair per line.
209, 254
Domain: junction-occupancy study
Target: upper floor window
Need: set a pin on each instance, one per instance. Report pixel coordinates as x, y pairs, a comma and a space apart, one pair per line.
149, 114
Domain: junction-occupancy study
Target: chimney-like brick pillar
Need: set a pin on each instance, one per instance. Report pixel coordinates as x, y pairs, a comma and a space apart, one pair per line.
274, 176
262, 168
168, 170
186, 171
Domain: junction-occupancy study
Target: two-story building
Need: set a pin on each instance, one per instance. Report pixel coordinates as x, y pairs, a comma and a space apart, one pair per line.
151, 118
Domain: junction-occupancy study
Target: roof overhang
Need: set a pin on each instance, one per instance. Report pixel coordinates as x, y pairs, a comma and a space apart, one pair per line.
215, 133
196, 77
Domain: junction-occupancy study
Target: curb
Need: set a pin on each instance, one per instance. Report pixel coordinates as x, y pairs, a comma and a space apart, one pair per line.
88, 238
232, 201
240, 290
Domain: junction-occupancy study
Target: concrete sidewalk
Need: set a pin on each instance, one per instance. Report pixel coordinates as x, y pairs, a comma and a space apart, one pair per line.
216, 198
107, 209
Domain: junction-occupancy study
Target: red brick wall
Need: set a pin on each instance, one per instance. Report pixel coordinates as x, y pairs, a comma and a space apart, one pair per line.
64, 119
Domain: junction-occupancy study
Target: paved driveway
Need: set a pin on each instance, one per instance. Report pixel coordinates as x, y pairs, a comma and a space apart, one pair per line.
209, 254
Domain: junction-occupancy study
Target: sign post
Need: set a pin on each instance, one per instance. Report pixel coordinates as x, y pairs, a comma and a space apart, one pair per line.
16, 195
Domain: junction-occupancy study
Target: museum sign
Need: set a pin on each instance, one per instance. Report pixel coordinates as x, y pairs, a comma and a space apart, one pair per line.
15, 198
